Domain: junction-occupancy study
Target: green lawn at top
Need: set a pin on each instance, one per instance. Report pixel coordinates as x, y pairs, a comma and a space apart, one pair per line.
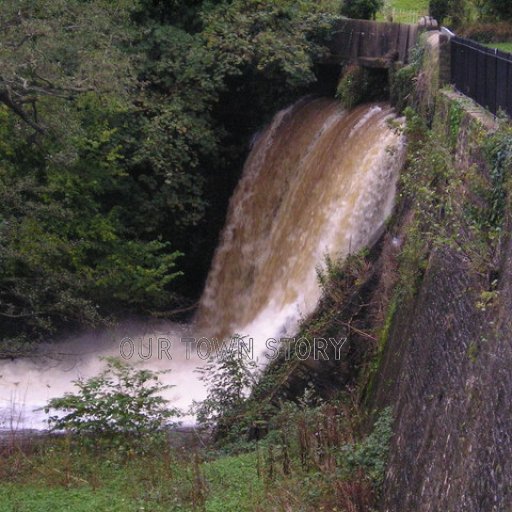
403, 11
409, 5
505, 47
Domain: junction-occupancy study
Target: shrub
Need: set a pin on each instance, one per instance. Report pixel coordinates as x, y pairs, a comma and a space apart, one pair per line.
453, 12
228, 379
402, 82
499, 154
372, 453
359, 84
122, 403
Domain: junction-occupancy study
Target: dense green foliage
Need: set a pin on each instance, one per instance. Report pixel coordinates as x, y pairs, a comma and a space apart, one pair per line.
123, 127
464, 14
359, 84
361, 9
502, 9
499, 155
122, 405
439, 9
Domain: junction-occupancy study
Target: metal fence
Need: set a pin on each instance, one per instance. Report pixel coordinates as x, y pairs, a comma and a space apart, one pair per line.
484, 74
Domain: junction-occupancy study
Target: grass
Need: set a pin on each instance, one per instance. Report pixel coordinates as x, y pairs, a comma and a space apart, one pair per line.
233, 483
73, 480
505, 47
409, 5
403, 11
58, 477
296, 468
42, 499
55, 476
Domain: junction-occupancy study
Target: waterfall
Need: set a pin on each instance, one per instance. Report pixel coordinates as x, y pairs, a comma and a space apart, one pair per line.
319, 181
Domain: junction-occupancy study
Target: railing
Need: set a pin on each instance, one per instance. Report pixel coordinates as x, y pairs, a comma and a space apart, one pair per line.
484, 74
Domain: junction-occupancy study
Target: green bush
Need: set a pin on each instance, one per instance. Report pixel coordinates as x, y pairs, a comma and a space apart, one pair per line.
121, 404
501, 8
228, 379
453, 12
372, 453
499, 155
359, 84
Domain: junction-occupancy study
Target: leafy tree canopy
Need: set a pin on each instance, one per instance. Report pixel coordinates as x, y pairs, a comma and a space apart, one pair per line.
60, 48
502, 8
123, 126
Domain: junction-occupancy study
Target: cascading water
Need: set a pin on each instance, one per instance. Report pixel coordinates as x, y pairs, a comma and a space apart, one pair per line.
319, 181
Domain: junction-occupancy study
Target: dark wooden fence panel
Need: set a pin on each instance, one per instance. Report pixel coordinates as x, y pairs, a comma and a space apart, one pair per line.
483, 74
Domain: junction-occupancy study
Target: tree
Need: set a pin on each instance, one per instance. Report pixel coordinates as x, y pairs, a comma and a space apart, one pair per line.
207, 89
439, 9
66, 255
58, 49
455, 10
501, 8
361, 9
123, 128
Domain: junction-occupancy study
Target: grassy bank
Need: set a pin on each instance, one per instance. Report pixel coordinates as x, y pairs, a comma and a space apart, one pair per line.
505, 47
314, 458
58, 476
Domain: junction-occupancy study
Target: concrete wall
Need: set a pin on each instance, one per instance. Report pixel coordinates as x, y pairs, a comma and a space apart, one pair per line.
447, 366
361, 39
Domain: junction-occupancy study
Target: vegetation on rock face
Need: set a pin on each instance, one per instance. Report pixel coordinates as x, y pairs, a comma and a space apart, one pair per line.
359, 84
353, 86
